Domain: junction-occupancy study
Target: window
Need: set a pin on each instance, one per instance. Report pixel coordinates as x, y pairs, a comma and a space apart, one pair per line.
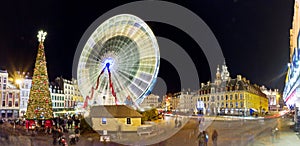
230, 97
104, 120
3, 103
4, 80
207, 98
236, 104
128, 121
241, 96
226, 97
242, 105
16, 104
222, 98
236, 97
10, 104
218, 98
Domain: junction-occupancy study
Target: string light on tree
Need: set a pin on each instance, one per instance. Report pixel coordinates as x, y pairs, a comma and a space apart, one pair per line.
39, 103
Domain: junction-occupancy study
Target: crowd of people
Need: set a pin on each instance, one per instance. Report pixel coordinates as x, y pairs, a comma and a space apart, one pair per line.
57, 127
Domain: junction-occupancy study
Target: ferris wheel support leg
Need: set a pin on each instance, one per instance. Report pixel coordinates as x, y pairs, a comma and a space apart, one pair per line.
92, 90
111, 84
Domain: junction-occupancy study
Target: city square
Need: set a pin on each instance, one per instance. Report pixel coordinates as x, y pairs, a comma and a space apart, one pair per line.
150, 73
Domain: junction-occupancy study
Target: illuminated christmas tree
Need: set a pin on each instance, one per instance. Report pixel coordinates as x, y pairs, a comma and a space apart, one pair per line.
39, 103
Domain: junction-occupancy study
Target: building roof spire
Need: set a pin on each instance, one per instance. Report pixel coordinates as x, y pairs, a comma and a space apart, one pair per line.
225, 73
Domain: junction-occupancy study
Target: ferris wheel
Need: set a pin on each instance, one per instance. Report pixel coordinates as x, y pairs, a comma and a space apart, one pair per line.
119, 62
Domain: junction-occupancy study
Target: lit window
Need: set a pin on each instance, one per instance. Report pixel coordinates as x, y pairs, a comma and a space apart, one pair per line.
104, 121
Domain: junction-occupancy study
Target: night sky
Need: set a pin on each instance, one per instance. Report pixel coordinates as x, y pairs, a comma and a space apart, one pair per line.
253, 35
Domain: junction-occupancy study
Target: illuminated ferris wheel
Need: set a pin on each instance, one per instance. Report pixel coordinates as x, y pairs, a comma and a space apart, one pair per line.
119, 62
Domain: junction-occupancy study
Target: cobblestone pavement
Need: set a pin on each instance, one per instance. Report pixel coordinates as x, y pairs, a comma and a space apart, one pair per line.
234, 132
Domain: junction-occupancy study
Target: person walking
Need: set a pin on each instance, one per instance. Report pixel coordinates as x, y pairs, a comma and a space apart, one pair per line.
54, 135
76, 122
176, 122
214, 137
70, 122
77, 134
201, 139
273, 135
205, 138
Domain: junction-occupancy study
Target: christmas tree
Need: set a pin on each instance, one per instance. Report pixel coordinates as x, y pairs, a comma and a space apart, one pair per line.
39, 103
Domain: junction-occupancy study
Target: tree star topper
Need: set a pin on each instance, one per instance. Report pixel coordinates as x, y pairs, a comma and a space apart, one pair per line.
41, 36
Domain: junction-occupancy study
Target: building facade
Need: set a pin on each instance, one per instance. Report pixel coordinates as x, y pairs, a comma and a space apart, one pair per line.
230, 96
291, 93
186, 101
72, 95
57, 97
151, 101
273, 96
10, 97
24, 87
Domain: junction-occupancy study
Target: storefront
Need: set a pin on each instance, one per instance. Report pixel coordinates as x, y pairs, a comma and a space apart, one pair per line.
9, 113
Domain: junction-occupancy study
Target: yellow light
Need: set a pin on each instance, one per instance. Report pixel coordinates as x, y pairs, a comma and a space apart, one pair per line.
18, 81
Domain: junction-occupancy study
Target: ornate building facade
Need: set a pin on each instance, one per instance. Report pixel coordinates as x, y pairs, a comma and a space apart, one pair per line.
273, 97
10, 97
230, 96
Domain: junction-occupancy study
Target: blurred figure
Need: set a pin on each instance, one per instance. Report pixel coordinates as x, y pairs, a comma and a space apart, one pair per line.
77, 134
214, 138
201, 138
205, 138
54, 135
273, 135
70, 122
277, 134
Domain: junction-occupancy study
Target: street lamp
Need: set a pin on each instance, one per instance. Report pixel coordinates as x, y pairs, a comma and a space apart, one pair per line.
19, 82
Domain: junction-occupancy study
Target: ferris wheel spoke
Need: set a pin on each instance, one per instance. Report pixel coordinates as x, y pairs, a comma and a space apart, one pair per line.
129, 46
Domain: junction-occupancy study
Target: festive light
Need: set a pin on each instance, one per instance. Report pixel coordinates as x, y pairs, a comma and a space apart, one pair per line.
40, 104
41, 36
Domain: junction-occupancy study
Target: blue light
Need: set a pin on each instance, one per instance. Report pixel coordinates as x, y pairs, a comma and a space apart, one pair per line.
109, 62
107, 65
